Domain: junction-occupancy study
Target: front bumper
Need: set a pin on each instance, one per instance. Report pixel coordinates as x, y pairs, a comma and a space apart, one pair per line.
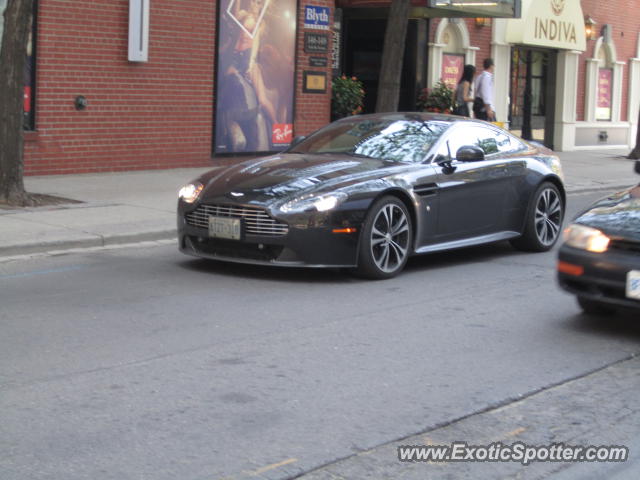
309, 241
600, 277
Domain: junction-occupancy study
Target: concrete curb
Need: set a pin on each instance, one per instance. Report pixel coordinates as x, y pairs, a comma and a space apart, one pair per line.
577, 191
94, 242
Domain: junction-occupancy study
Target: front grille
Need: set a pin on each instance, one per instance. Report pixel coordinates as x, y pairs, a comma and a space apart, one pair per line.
256, 220
240, 250
616, 292
627, 245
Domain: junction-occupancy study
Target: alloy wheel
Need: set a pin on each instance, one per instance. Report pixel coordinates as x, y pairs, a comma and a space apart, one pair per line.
390, 238
548, 216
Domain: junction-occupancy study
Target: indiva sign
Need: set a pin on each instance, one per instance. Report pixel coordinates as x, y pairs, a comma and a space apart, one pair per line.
554, 30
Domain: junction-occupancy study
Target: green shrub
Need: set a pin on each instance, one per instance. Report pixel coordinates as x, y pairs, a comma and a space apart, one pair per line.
347, 94
437, 99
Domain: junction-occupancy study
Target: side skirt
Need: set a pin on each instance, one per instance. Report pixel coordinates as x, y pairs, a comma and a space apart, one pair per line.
468, 242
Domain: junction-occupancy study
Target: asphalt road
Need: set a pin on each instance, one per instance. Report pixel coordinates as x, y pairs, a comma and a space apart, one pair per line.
141, 363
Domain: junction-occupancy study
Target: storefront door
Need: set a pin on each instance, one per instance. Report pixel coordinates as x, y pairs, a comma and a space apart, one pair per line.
364, 42
532, 93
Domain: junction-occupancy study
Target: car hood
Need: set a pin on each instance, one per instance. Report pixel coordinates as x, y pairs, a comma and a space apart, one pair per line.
617, 216
289, 175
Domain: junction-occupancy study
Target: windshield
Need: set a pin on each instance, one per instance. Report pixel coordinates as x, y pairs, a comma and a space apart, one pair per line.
399, 139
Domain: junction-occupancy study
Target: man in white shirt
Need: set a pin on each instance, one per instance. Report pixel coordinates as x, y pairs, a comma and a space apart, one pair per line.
484, 90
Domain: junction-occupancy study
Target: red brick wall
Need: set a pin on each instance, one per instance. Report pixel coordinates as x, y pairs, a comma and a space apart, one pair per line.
157, 114
622, 15
313, 110
140, 115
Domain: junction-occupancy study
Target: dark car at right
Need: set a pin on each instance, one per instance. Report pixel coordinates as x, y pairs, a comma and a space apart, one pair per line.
599, 260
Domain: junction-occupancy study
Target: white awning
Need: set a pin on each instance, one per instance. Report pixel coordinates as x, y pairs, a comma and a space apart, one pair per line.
549, 23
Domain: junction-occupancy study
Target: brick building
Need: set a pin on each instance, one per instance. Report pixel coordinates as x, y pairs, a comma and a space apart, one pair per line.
584, 91
95, 110
126, 85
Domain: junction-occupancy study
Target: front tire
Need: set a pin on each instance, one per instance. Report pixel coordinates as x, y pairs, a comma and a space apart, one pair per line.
385, 242
544, 220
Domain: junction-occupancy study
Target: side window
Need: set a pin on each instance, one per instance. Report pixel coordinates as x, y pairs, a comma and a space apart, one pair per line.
460, 137
477, 135
487, 140
507, 143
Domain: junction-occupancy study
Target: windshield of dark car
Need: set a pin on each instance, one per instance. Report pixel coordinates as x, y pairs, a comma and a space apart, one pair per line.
395, 139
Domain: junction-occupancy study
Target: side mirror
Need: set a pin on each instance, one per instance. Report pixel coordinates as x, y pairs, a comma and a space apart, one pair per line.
442, 160
637, 169
470, 153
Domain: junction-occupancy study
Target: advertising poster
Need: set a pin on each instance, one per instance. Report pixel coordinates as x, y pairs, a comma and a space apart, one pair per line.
255, 76
452, 66
603, 110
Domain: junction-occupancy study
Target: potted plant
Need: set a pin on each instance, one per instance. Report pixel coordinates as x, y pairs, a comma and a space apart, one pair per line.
347, 94
438, 99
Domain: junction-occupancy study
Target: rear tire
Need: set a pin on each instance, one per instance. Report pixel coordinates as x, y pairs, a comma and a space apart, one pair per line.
544, 220
593, 307
385, 243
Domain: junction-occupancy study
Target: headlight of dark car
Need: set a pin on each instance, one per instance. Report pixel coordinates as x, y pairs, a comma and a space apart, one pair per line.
314, 203
586, 238
190, 192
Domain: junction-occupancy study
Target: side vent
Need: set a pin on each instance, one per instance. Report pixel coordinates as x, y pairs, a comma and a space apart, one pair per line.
426, 190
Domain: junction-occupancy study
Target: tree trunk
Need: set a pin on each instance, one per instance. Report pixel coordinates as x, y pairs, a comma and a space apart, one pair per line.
635, 153
13, 53
392, 56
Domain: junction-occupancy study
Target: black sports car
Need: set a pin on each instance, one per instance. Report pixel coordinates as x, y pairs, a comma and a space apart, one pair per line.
599, 260
369, 191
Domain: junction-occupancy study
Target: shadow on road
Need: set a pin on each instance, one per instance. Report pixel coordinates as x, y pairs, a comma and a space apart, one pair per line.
452, 258
259, 272
424, 263
623, 324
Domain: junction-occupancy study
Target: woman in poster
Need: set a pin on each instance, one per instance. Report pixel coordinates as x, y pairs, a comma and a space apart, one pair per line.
247, 48
256, 82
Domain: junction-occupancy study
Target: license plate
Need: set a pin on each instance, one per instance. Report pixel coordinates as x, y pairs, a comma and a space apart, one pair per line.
224, 227
633, 284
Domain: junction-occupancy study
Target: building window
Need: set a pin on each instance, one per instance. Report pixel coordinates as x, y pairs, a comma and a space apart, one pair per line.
450, 51
603, 83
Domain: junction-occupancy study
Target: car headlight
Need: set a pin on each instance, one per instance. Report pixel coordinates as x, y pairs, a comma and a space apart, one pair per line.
319, 203
556, 167
586, 238
190, 192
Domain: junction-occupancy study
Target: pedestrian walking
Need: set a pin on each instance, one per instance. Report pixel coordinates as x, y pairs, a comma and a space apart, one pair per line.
483, 104
464, 91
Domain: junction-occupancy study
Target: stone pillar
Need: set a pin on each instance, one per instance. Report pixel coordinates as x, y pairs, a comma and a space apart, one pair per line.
591, 90
633, 106
435, 63
501, 54
564, 128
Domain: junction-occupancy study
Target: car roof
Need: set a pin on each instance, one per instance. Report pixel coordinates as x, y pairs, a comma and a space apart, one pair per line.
419, 116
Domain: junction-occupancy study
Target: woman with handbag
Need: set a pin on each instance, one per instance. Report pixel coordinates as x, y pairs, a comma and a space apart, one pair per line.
463, 93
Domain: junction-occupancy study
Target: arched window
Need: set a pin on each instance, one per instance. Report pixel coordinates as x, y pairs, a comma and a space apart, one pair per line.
604, 81
450, 51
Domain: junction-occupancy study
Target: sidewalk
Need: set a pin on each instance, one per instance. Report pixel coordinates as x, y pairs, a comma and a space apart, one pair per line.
133, 207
